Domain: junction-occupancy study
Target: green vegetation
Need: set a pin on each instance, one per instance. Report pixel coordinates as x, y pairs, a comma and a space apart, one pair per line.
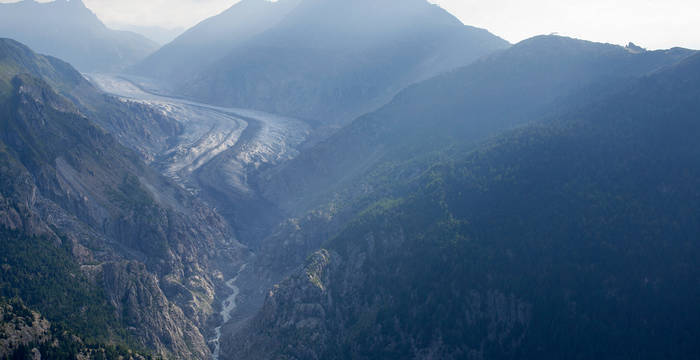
63, 176
47, 279
69, 348
7, 72
131, 195
57, 342
16, 59
574, 238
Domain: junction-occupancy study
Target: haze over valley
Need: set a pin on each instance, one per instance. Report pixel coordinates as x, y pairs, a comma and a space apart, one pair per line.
335, 179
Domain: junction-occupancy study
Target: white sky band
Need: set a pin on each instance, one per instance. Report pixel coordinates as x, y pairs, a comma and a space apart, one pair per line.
652, 24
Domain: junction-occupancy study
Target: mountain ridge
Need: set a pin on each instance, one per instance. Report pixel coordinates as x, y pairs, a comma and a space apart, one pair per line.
151, 252
526, 77
201, 45
69, 30
314, 62
548, 241
384, 153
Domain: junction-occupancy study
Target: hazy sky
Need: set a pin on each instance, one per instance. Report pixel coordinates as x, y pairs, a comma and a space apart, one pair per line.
649, 23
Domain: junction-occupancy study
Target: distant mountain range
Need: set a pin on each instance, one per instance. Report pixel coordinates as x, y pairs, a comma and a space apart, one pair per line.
212, 39
160, 35
70, 31
327, 61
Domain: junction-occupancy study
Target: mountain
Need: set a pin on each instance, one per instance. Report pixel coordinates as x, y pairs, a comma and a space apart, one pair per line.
458, 108
160, 35
26, 334
328, 61
381, 153
70, 31
212, 39
100, 245
135, 125
571, 237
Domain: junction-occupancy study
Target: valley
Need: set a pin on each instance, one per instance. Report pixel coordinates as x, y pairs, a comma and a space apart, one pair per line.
228, 307
343, 180
247, 139
217, 152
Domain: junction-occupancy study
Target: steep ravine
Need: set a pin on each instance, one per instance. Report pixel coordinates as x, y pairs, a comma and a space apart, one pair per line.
217, 157
133, 239
228, 307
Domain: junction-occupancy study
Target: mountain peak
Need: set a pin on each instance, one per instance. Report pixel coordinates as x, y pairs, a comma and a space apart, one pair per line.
69, 30
634, 48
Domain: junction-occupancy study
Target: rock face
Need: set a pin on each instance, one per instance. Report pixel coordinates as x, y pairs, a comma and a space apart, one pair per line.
20, 326
320, 312
154, 249
150, 316
25, 334
301, 306
136, 126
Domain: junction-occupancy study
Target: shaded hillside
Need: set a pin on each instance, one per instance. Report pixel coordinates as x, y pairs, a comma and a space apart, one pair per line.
383, 153
574, 237
327, 61
212, 39
69, 30
459, 108
135, 125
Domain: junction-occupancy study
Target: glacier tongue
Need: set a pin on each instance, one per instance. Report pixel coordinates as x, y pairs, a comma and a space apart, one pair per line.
210, 131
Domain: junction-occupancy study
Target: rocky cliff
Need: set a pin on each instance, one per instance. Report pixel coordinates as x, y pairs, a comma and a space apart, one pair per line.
157, 253
19, 327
